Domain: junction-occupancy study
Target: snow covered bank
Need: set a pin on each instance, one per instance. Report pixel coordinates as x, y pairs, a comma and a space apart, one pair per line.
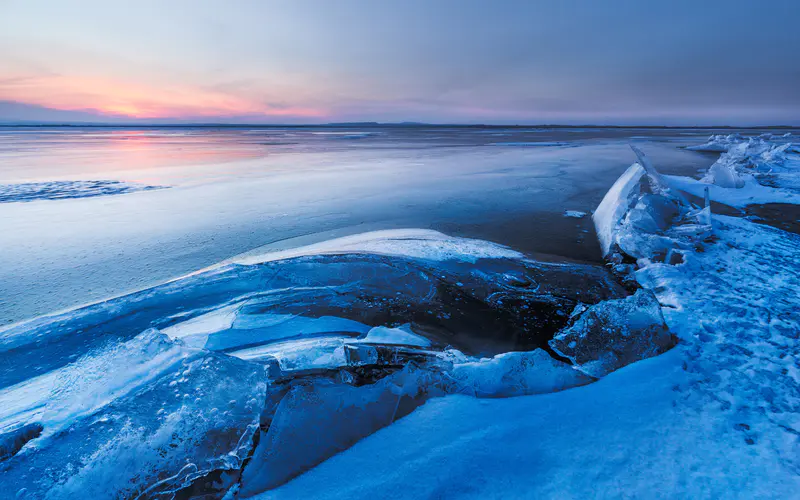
765, 169
413, 364
625, 435
749, 194
717, 143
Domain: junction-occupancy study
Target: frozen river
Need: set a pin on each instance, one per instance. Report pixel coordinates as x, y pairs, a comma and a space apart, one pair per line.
302, 291
67, 239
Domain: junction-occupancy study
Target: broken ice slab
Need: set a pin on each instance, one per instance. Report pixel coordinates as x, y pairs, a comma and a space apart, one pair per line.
515, 374
117, 424
642, 217
185, 418
386, 355
402, 335
615, 205
723, 174
14, 439
318, 419
299, 354
485, 307
615, 333
311, 418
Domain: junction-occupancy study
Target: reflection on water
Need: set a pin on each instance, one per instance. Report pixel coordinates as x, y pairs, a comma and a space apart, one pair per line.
42, 153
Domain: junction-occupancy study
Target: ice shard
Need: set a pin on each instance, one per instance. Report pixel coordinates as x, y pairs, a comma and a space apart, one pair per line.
615, 205
615, 333
642, 216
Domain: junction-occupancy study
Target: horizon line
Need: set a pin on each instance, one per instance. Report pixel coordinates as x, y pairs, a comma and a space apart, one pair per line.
55, 124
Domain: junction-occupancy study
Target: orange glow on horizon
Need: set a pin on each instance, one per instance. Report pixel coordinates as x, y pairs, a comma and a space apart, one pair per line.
143, 101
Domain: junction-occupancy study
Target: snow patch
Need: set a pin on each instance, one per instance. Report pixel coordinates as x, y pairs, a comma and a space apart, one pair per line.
412, 243
402, 336
60, 190
531, 144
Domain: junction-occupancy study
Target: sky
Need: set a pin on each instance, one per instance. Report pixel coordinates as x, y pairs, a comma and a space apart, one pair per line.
656, 62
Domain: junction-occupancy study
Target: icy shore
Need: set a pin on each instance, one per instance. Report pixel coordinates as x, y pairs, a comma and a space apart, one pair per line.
210, 383
400, 364
719, 416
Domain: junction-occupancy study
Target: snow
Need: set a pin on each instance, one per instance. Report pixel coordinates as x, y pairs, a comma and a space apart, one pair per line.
402, 335
59, 190
751, 193
750, 171
532, 144
735, 306
575, 214
413, 243
717, 143
628, 433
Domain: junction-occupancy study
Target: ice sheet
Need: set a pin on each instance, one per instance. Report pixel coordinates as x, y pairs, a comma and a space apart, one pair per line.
232, 193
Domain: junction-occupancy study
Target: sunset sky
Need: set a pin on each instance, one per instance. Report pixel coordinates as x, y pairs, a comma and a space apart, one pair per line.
443, 61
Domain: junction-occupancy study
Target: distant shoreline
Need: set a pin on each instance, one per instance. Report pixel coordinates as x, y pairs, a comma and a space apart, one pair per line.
386, 125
